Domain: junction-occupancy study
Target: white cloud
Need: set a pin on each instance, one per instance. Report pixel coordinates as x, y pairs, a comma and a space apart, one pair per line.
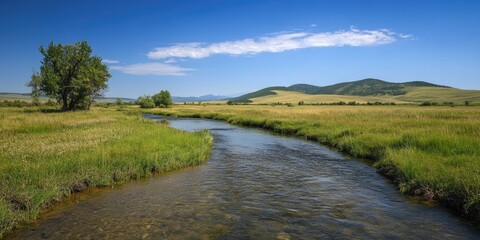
152, 69
108, 61
278, 43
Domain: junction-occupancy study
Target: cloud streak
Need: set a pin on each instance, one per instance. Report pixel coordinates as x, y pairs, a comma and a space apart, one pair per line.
109, 61
152, 69
278, 43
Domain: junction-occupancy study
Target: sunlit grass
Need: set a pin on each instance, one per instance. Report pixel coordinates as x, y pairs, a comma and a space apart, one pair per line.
295, 97
47, 156
431, 152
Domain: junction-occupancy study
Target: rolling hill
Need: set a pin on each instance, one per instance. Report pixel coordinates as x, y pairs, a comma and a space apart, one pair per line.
366, 90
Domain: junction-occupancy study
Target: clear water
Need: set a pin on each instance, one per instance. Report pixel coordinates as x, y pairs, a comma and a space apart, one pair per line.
255, 186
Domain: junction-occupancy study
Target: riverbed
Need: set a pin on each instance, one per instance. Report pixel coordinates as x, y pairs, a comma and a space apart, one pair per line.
256, 185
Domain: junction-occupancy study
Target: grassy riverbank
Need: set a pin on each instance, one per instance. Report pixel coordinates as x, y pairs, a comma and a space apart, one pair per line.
47, 156
431, 152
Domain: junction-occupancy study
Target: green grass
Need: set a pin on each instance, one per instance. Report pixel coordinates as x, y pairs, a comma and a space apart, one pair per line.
430, 152
47, 156
440, 95
295, 97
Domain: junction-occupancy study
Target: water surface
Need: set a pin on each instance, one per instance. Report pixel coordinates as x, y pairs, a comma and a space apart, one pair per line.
256, 185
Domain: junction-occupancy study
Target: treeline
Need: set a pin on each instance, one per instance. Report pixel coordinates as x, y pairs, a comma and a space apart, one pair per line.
466, 103
161, 99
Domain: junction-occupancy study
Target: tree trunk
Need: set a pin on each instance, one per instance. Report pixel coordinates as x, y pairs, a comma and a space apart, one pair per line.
64, 103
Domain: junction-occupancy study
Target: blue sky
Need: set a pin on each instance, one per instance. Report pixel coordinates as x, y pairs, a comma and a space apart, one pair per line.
203, 47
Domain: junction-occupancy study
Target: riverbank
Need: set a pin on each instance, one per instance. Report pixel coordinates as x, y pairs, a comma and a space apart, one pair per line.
429, 152
46, 156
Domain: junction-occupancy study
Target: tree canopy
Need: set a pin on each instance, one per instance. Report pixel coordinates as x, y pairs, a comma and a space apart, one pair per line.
162, 98
71, 75
145, 102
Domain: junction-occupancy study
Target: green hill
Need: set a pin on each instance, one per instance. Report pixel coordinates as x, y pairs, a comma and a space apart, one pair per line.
365, 87
259, 93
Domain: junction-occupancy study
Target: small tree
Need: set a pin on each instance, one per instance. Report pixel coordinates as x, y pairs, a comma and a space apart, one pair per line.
162, 98
118, 102
145, 102
70, 75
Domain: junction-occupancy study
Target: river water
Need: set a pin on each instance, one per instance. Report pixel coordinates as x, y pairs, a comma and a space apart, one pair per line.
256, 185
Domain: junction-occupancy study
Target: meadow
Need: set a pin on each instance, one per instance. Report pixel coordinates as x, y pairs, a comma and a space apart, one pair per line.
47, 155
430, 152
295, 97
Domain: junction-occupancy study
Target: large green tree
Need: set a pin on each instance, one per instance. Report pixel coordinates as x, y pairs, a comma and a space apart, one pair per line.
162, 98
71, 75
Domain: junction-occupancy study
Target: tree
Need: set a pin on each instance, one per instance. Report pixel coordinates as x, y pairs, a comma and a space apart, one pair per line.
70, 75
118, 102
162, 98
145, 102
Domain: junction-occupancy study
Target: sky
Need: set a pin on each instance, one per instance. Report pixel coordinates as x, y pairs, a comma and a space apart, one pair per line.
194, 48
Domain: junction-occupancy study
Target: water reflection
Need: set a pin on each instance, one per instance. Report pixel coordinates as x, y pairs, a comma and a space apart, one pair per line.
259, 186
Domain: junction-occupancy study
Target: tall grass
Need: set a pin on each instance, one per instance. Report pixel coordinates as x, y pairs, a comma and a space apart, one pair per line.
430, 152
47, 156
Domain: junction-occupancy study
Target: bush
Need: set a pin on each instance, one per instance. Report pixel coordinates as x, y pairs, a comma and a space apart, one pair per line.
146, 102
50, 102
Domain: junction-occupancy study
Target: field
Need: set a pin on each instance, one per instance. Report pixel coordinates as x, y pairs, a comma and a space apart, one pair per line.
433, 94
16, 96
295, 97
429, 152
27, 98
414, 95
46, 155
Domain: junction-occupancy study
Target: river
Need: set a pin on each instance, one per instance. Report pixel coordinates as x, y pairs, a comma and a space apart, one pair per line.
256, 185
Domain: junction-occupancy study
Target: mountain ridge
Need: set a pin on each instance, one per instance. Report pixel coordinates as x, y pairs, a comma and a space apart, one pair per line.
364, 87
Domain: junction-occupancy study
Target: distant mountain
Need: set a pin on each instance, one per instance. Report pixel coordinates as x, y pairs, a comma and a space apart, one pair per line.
204, 98
114, 99
365, 87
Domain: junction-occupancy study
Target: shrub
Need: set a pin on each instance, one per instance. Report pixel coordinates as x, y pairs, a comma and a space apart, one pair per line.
146, 102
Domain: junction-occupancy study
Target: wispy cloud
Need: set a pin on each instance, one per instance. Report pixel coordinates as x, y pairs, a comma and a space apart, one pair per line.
109, 61
278, 43
171, 60
152, 69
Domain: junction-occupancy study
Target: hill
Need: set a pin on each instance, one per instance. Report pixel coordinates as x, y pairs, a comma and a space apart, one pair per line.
365, 87
414, 95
